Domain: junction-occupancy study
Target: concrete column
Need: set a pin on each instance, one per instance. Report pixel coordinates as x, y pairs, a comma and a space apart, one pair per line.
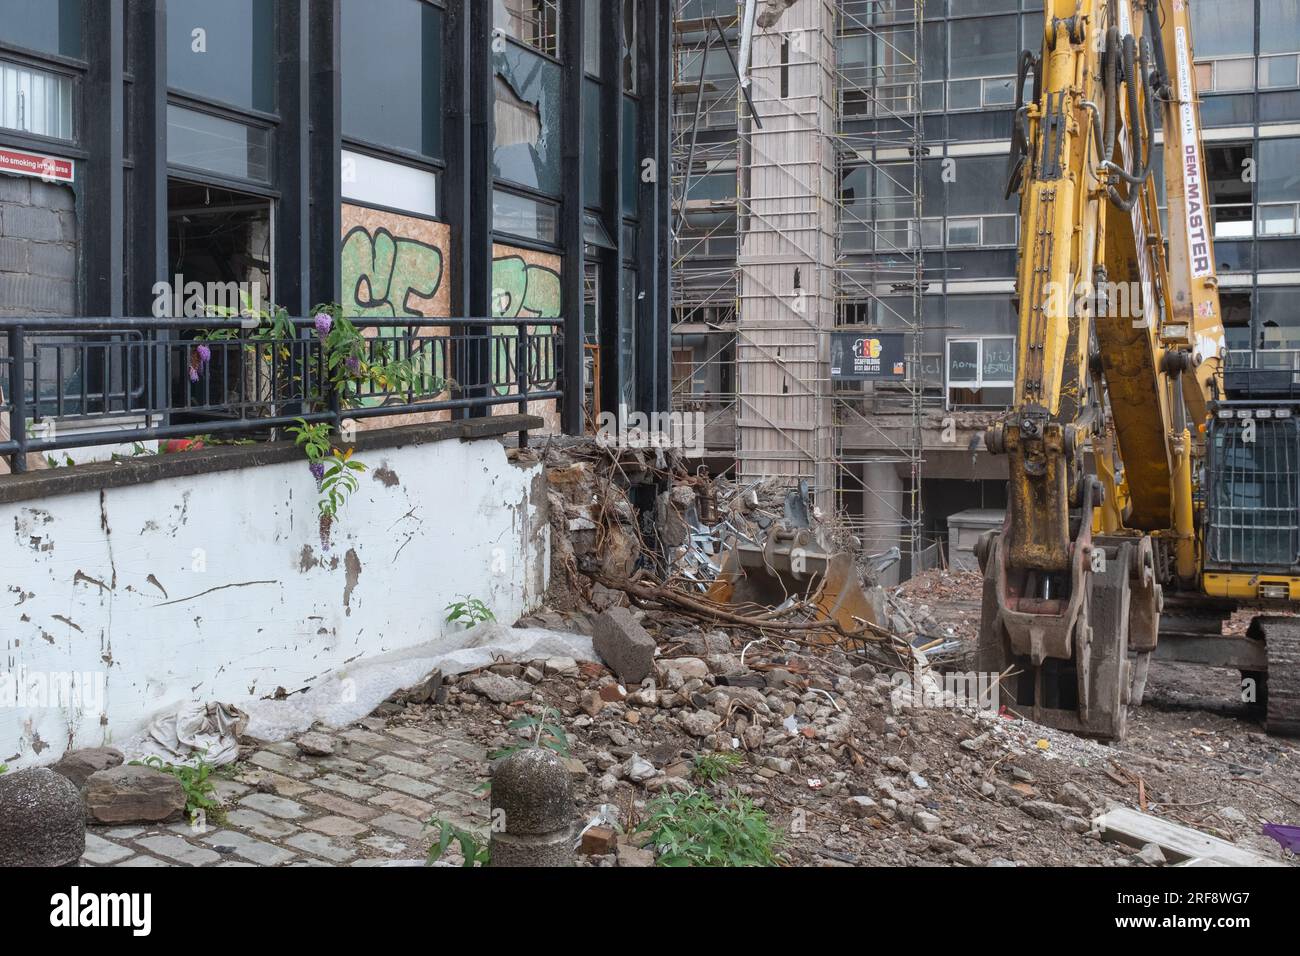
884, 503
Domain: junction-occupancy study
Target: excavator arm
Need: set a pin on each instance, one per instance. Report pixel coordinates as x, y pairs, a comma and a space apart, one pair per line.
1120, 352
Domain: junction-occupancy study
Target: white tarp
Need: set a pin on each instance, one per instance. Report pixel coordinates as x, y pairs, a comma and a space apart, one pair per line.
346, 695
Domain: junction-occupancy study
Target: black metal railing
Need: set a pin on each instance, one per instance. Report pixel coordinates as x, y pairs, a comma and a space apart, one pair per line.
81, 382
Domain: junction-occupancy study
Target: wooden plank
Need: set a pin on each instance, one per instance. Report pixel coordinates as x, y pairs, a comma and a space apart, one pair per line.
1179, 842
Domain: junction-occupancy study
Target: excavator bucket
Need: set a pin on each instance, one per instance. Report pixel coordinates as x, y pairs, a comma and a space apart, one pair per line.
794, 566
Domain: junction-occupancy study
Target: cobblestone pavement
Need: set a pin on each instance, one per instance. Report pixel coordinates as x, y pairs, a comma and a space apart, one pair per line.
365, 805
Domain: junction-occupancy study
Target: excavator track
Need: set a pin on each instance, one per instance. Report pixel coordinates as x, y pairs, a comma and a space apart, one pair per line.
1281, 636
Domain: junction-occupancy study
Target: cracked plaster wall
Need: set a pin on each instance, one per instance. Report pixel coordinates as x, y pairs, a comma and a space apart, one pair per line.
217, 587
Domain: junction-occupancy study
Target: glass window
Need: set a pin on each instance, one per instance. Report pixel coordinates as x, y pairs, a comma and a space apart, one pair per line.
1031, 32
1277, 324
1000, 92
223, 52
592, 143
1234, 75
392, 76
35, 101
1278, 170
1278, 71
591, 37
1279, 220
631, 9
981, 372
378, 182
1000, 230
934, 51
998, 363
526, 150
965, 95
1279, 26
631, 163
963, 8
50, 26
521, 216
963, 232
627, 340
964, 361
987, 46
1223, 28
217, 145
978, 185
534, 23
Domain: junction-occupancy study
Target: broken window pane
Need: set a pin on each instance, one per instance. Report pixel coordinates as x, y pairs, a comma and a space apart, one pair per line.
392, 76
630, 12
526, 149
534, 23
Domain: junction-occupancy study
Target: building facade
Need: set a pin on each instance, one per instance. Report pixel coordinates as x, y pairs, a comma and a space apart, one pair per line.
402, 158
925, 242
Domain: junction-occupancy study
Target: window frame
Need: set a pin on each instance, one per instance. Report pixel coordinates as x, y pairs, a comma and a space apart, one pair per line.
980, 384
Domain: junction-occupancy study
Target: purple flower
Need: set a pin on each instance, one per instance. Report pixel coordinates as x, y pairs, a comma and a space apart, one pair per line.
318, 470
194, 374
324, 323
205, 355
354, 365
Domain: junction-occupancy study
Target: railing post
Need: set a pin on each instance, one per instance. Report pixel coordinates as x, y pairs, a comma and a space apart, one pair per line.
521, 375
329, 391
17, 400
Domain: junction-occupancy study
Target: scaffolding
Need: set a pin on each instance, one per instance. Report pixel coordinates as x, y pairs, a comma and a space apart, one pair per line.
705, 276
880, 268
823, 92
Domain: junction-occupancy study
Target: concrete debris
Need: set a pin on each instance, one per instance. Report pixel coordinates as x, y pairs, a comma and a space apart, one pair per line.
629, 855
624, 646
1152, 855
78, 765
133, 794
503, 690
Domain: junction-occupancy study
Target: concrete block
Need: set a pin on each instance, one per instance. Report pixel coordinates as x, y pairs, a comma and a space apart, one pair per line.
624, 645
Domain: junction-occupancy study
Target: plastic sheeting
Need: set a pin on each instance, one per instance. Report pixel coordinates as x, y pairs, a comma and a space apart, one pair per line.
346, 695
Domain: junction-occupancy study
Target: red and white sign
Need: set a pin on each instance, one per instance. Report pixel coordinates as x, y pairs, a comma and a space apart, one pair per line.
51, 168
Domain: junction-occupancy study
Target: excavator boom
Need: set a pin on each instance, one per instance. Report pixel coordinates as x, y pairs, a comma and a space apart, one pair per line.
1121, 351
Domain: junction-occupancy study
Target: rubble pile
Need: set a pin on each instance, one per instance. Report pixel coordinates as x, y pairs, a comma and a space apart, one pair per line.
837, 727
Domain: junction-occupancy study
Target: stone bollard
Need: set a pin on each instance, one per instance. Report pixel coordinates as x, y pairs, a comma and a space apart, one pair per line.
42, 820
532, 810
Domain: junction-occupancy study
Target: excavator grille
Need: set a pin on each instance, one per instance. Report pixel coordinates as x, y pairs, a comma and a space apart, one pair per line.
1254, 493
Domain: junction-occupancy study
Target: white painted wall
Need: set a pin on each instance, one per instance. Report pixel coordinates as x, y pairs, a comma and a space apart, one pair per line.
217, 587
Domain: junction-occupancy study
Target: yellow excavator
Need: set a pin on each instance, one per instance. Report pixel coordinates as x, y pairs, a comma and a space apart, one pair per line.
1153, 491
